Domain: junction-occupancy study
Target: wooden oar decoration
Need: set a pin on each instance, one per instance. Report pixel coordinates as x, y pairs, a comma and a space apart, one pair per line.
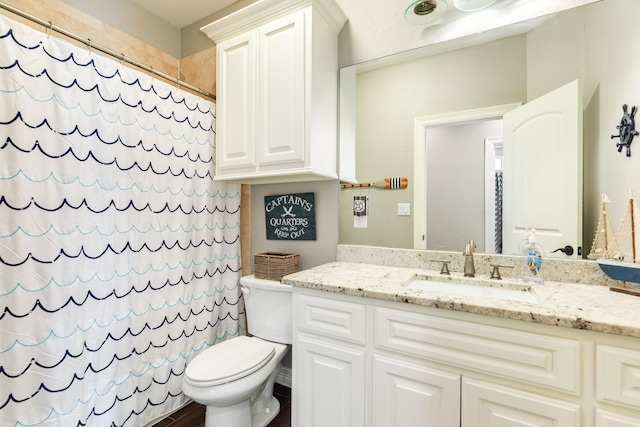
393, 183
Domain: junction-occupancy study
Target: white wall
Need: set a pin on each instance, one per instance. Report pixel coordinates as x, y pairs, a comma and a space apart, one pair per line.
134, 20
613, 79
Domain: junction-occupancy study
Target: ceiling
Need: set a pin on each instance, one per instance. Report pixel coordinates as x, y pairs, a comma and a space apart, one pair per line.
181, 13
371, 22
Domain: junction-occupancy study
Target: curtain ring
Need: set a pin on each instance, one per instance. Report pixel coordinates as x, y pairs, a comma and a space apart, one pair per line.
49, 28
89, 45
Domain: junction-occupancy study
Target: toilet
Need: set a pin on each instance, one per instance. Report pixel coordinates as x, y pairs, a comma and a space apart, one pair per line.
234, 379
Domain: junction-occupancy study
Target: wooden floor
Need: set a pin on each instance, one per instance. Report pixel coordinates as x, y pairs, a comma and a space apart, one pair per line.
192, 415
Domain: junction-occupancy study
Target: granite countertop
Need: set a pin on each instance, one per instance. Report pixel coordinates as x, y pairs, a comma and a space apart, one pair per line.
580, 306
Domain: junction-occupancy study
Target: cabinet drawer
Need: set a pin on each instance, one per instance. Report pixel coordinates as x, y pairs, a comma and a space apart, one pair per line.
618, 375
487, 404
537, 359
336, 319
611, 419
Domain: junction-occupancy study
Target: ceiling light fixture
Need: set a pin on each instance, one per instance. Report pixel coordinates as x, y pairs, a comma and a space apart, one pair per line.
472, 5
423, 12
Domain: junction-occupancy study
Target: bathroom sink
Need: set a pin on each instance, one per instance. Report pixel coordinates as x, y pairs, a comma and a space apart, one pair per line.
494, 289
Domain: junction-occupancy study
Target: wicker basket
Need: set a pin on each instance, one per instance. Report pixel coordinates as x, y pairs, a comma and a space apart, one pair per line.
274, 265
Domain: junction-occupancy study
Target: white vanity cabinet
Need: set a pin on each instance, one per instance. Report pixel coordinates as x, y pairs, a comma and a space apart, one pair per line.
330, 362
367, 362
277, 77
336, 376
485, 358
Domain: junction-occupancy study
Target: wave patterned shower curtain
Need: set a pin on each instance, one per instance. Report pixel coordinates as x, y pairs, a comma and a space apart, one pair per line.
119, 255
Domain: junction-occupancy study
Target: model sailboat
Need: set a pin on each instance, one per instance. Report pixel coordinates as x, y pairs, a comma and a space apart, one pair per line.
621, 263
604, 245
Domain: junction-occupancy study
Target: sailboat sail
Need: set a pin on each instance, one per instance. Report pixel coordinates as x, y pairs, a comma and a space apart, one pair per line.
605, 244
628, 235
623, 266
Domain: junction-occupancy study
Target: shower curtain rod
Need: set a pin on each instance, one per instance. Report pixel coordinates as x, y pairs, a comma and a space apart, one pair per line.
51, 27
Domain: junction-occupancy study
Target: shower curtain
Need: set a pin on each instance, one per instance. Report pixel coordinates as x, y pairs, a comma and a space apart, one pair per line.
119, 254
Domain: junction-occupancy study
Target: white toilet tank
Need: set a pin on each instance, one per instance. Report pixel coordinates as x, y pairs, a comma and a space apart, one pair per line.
268, 307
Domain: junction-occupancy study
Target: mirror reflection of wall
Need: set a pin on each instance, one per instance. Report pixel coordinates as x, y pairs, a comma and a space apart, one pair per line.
457, 201
388, 101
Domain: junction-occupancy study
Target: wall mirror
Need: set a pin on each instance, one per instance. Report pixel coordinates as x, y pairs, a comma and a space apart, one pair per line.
583, 44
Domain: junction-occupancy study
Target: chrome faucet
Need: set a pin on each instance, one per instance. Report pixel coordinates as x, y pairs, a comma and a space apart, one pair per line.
469, 268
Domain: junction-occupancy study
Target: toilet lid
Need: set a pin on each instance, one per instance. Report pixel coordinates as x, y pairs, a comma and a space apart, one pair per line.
228, 361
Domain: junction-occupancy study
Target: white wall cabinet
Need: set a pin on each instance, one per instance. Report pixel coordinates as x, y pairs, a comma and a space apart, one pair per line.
277, 88
368, 362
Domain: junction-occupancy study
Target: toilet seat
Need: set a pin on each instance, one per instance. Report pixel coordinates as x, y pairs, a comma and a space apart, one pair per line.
229, 361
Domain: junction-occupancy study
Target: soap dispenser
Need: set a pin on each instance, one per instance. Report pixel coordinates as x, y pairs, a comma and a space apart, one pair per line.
524, 242
533, 254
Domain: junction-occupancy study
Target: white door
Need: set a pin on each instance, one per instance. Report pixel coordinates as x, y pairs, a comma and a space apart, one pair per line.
543, 171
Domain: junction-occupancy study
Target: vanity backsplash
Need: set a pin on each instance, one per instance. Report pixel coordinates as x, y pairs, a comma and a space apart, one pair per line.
553, 269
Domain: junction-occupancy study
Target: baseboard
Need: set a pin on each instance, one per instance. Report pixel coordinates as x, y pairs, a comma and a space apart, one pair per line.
284, 377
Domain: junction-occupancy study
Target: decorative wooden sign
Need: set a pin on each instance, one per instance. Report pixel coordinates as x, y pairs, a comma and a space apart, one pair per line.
290, 216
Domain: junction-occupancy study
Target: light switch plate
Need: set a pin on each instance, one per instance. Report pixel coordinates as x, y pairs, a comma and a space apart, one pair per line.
404, 209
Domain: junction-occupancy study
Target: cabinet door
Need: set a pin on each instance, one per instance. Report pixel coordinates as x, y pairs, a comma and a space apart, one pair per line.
409, 395
618, 376
281, 90
235, 115
330, 382
490, 405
